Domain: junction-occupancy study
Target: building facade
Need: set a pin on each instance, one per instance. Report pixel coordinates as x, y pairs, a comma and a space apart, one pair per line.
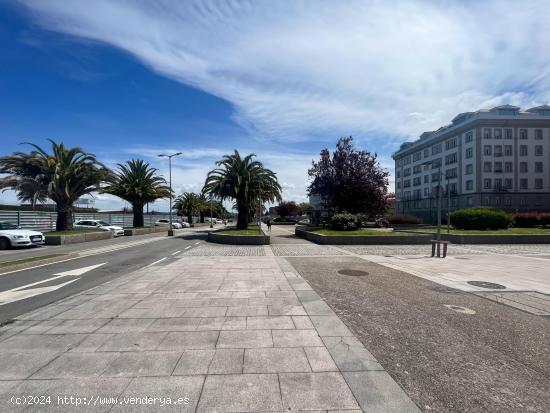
498, 157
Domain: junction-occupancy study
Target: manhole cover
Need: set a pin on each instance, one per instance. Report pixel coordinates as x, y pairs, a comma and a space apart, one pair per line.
353, 273
485, 284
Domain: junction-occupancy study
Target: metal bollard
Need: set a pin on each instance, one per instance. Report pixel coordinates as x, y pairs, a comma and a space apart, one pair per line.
434, 242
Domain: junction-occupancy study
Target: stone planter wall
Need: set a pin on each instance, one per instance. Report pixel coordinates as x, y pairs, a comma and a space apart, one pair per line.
362, 239
491, 238
77, 238
215, 236
143, 231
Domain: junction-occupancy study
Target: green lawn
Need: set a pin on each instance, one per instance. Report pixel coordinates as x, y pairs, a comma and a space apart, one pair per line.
252, 230
71, 232
357, 232
509, 231
31, 259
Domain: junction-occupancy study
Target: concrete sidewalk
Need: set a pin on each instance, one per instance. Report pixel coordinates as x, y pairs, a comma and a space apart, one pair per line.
216, 334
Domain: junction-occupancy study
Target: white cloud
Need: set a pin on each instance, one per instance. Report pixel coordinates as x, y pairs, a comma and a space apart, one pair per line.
298, 70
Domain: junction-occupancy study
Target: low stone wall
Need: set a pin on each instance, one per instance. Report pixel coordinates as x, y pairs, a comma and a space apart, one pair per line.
492, 238
143, 231
362, 239
77, 238
283, 223
215, 236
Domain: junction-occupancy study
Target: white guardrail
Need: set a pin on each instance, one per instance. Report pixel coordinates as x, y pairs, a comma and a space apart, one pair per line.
45, 221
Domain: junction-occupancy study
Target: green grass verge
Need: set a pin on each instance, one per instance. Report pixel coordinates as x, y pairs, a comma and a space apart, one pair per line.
252, 230
368, 232
72, 232
27, 260
509, 231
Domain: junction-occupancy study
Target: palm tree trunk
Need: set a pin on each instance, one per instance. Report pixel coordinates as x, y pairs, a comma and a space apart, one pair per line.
64, 219
202, 217
242, 218
190, 219
138, 215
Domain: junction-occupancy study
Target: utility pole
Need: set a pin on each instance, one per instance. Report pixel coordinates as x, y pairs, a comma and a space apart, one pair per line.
171, 229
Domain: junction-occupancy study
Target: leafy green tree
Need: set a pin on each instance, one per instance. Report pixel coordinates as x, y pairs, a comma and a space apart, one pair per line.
349, 180
245, 181
287, 208
64, 175
305, 208
138, 183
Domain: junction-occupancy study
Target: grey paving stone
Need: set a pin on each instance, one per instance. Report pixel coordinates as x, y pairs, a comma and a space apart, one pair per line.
275, 360
272, 294
44, 313
317, 308
269, 323
377, 392
296, 338
205, 312
152, 312
186, 389
175, 324
133, 342
40, 327
15, 366
286, 310
247, 311
189, 340
320, 359
330, 326
70, 365
145, 363
245, 339
240, 393
349, 354
302, 322
222, 323
91, 343
227, 361
126, 325
41, 342
316, 391
194, 362
78, 326
308, 296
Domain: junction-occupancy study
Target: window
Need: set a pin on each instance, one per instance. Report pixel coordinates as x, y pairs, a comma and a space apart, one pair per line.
523, 183
508, 150
487, 201
426, 191
497, 200
507, 201
497, 150
469, 153
487, 150
417, 156
426, 153
450, 144
452, 188
523, 167
436, 149
523, 150
523, 133
487, 183
469, 169
451, 158
523, 202
487, 133
507, 183
538, 201
435, 177
498, 133
498, 184
398, 174
508, 167
507, 133
538, 134
407, 172
469, 201
538, 150
407, 183
469, 137
451, 173
426, 179
417, 181
498, 167
469, 185
538, 167
417, 169
487, 166
436, 163
538, 183
417, 193
398, 185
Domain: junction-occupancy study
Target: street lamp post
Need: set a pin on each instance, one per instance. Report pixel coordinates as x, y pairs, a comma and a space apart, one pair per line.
438, 237
211, 224
171, 229
448, 206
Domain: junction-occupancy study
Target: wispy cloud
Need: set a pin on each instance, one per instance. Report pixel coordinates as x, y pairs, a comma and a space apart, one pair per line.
303, 70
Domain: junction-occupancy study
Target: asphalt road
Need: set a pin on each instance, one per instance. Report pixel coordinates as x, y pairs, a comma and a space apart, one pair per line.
495, 360
25, 290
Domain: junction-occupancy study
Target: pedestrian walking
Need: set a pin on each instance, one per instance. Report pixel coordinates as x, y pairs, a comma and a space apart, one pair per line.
269, 224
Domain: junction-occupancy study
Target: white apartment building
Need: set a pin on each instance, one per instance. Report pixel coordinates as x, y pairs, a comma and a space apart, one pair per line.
497, 157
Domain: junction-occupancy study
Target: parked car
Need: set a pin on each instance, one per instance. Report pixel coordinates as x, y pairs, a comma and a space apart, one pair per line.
185, 224
166, 222
99, 225
11, 235
219, 221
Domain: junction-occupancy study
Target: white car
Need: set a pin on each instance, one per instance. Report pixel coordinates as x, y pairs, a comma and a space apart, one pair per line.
219, 221
13, 236
185, 224
166, 222
100, 225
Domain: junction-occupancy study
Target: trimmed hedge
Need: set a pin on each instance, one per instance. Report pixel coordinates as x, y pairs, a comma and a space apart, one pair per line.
531, 219
343, 222
403, 219
481, 218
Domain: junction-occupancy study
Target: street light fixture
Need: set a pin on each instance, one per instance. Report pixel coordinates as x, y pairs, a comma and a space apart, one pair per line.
162, 155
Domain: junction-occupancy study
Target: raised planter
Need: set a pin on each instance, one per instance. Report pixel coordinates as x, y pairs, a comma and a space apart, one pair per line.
219, 238
362, 239
491, 238
143, 231
283, 223
77, 238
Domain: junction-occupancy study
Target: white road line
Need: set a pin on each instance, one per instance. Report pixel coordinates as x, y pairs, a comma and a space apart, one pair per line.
197, 243
80, 271
156, 262
177, 252
188, 247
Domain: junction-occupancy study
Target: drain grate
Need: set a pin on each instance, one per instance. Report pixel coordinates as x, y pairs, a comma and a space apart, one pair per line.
488, 285
353, 273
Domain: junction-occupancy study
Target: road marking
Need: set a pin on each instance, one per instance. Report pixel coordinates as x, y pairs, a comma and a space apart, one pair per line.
177, 252
80, 271
459, 309
20, 293
197, 243
188, 247
156, 262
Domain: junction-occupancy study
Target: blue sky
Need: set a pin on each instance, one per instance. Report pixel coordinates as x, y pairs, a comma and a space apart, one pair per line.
282, 79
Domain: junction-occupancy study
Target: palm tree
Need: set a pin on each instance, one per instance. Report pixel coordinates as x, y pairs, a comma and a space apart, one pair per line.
245, 181
64, 175
138, 183
189, 204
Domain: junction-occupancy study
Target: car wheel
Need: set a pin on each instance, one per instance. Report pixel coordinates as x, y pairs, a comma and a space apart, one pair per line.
4, 244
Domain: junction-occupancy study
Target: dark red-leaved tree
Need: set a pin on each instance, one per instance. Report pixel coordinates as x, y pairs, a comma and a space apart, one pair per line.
287, 208
349, 180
